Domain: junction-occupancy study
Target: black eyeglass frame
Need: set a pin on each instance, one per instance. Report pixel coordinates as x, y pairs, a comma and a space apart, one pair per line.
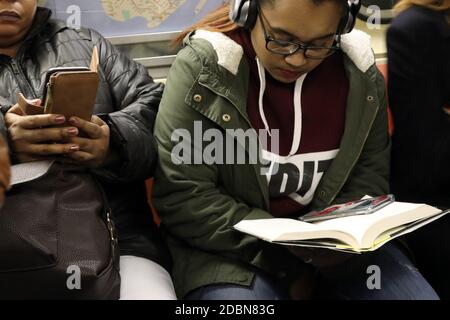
268, 38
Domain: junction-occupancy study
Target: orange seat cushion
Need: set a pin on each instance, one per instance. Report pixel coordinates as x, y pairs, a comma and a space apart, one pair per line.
149, 185
384, 71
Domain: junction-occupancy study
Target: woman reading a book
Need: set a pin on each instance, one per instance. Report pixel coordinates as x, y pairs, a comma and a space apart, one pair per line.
116, 144
291, 74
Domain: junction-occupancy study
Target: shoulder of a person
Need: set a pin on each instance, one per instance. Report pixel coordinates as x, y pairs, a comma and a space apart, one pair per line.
58, 33
357, 46
55, 27
214, 50
84, 34
415, 21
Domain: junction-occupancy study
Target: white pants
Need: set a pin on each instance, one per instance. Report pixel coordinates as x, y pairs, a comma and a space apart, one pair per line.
143, 279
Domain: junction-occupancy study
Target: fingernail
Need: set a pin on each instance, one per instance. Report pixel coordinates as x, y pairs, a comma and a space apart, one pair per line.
60, 119
72, 131
74, 121
74, 148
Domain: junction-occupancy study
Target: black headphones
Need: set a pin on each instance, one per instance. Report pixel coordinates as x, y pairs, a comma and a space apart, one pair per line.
245, 12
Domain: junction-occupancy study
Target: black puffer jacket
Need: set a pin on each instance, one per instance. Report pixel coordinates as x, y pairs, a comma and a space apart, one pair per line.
127, 100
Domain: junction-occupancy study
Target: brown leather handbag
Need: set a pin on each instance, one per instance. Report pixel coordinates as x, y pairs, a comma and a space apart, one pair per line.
57, 240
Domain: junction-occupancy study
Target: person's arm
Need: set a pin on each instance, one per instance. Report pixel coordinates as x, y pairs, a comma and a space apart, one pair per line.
192, 205
370, 175
5, 105
5, 172
132, 155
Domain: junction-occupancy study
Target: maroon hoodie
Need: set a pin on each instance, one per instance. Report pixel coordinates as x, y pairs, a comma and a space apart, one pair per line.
310, 125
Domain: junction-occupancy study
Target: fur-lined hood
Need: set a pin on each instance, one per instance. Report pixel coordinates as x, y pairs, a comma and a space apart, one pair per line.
356, 45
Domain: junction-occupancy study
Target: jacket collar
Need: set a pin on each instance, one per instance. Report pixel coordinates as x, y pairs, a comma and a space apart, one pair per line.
41, 17
356, 45
40, 30
225, 72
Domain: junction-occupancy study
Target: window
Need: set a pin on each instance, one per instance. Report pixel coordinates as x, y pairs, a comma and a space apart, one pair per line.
142, 29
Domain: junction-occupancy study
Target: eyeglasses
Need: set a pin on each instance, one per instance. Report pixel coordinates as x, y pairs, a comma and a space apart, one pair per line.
286, 48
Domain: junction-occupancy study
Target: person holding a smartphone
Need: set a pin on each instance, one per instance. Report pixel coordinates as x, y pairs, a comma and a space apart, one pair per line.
116, 144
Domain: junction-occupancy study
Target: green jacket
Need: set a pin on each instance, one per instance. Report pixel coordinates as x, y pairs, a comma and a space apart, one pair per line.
199, 203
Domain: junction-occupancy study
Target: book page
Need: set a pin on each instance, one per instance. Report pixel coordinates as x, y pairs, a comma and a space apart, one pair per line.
360, 232
367, 228
285, 229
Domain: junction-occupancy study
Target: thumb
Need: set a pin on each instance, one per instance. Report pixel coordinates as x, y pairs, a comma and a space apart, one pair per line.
36, 102
16, 110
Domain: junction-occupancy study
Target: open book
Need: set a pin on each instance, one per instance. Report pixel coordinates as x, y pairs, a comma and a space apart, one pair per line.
350, 234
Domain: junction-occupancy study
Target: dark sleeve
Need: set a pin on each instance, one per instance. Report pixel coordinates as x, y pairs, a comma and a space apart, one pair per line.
370, 175
136, 99
5, 105
192, 205
2, 126
421, 141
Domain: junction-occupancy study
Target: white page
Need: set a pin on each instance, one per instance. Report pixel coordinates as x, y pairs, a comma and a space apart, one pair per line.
285, 229
390, 216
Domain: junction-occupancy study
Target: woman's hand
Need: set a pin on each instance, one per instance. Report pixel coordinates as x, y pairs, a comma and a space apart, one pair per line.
319, 258
95, 146
38, 137
5, 173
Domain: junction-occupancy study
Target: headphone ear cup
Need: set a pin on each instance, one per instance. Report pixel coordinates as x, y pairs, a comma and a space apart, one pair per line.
348, 20
252, 15
244, 12
347, 24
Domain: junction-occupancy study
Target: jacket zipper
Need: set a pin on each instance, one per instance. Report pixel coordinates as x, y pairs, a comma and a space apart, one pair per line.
22, 81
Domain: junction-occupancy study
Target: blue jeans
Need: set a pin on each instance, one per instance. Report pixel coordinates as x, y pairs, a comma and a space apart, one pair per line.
399, 280
262, 288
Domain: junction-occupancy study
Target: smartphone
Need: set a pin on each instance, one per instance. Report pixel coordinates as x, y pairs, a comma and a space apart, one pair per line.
352, 208
53, 71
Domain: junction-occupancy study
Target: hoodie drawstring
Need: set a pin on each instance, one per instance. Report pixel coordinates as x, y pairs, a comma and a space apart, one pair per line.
297, 107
